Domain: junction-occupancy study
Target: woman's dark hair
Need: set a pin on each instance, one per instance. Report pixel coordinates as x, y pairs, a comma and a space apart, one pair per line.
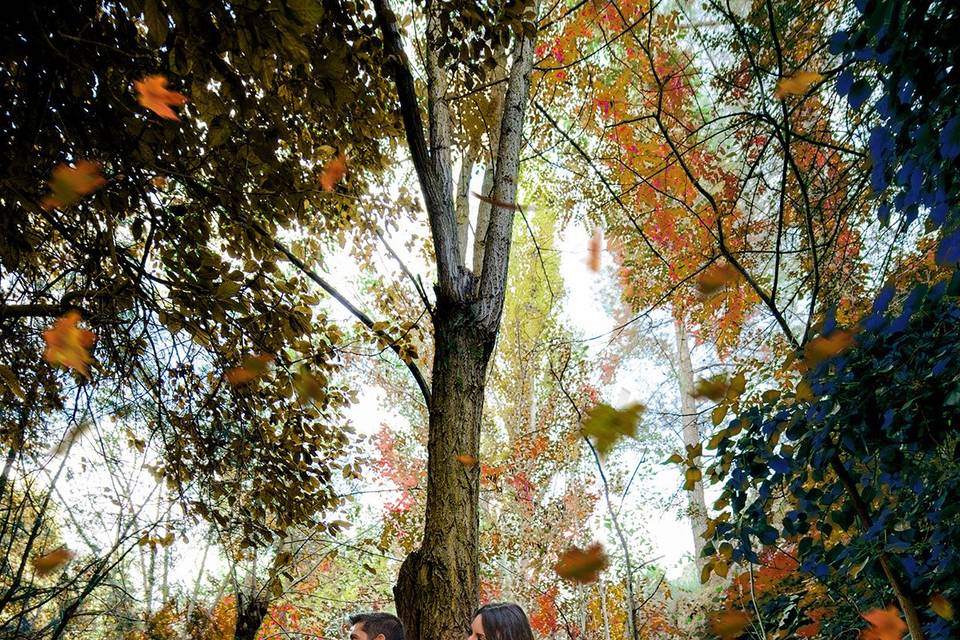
504, 621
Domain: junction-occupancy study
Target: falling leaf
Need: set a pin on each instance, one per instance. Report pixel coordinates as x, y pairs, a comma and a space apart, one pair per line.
714, 388
69, 184
45, 565
607, 425
715, 278
885, 624
333, 172
69, 345
467, 460
582, 565
941, 606
729, 624
250, 368
825, 347
153, 94
70, 437
593, 251
494, 202
797, 84
309, 387
160, 182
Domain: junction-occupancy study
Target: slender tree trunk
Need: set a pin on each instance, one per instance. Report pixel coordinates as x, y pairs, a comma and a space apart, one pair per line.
438, 584
250, 615
696, 502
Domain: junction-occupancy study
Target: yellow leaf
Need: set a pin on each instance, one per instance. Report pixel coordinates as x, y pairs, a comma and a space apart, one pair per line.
674, 459
10, 380
729, 624
718, 414
45, 565
68, 345
770, 395
691, 478
152, 93
333, 172
582, 565
737, 386
797, 84
606, 425
69, 184
706, 571
714, 388
941, 606
309, 387
803, 392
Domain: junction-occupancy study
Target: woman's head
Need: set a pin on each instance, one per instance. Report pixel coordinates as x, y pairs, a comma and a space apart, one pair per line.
500, 621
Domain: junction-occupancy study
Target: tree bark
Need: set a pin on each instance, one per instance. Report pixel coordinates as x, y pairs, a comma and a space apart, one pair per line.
438, 585
696, 502
250, 615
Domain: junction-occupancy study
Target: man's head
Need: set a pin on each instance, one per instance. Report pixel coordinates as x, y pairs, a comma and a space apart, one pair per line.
375, 626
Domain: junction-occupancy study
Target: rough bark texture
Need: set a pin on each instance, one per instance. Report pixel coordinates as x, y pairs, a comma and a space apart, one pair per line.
438, 584
691, 436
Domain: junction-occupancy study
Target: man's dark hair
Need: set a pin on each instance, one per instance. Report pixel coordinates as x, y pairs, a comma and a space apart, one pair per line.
376, 622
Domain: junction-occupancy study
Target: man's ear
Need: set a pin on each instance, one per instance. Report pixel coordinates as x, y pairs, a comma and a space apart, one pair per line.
380, 636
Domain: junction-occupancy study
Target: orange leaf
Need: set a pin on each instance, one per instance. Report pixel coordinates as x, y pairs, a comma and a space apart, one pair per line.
885, 624
582, 565
797, 84
250, 368
467, 460
729, 624
941, 606
69, 184
45, 565
68, 345
495, 203
333, 172
153, 94
715, 278
825, 347
593, 251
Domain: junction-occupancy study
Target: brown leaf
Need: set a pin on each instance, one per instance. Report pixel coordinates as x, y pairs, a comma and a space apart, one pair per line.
69, 184
729, 624
493, 202
582, 565
45, 565
153, 94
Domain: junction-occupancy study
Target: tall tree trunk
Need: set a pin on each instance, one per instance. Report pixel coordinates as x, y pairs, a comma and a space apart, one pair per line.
438, 584
696, 503
250, 615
